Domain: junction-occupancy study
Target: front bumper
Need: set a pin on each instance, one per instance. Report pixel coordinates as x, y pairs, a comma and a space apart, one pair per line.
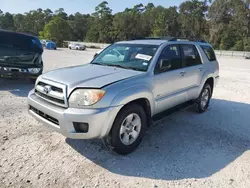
11, 74
100, 121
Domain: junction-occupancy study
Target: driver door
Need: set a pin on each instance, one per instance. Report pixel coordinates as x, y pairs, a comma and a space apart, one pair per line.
169, 85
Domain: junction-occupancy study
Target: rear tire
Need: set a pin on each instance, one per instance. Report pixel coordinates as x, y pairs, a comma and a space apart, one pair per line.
204, 98
125, 135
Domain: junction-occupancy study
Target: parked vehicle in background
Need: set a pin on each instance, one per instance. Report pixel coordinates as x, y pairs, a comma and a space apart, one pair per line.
50, 45
247, 57
20, 55
74, 46
124, 88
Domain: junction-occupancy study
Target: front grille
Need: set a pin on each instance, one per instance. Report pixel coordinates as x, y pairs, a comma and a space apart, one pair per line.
57, 89
45, 116
49, 98
53, 88
52, 92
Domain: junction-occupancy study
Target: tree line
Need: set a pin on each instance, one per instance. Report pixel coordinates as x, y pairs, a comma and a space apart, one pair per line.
224, 23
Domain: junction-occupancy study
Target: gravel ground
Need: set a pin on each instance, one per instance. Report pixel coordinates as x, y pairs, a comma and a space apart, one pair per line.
183, 150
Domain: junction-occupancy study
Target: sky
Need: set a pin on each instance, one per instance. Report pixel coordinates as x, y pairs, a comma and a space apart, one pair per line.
73, 6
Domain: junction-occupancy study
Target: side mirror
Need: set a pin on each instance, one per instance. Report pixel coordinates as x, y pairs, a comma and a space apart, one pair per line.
165, 64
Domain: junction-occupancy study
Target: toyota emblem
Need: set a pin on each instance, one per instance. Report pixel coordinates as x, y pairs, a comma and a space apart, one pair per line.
47, 89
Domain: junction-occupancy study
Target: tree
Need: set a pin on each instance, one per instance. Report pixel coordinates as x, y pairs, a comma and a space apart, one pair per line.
6, 21
166, 24
224, 23
60, 13
102, 23
79, 25
19, 22
229, 22
57, 30
192, 18
126, 26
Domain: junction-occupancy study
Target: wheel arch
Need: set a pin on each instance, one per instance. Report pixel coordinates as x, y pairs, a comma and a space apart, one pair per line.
137, 94
210, 81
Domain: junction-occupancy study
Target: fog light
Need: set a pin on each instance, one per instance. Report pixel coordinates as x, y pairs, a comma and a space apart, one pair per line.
81, 127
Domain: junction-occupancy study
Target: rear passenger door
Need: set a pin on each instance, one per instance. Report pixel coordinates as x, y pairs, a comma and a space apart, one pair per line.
194, 70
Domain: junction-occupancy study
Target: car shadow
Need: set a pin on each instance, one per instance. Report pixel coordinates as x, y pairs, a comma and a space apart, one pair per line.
18, 87
183, 145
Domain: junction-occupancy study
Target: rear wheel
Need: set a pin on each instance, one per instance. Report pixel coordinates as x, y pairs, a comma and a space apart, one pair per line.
128, 130
204, 98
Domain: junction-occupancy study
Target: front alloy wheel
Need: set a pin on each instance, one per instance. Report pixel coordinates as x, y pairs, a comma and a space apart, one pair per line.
128, 129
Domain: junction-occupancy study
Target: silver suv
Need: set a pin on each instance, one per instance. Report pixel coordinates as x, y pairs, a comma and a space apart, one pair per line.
128, 84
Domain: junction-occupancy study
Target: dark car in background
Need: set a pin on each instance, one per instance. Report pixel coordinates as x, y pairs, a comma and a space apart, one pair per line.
20, 56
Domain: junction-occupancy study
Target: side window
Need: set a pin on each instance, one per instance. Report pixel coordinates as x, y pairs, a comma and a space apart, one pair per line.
209, 53
190, 55
173, 55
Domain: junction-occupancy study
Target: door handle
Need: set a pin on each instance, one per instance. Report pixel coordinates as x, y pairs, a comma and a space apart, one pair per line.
201, 68
182, 73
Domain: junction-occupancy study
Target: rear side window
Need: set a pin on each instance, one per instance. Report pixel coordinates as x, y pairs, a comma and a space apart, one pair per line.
190, 55
209, 53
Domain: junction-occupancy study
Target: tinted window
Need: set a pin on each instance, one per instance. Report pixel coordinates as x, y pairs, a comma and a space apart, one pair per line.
190, 55
209, 53
171, 53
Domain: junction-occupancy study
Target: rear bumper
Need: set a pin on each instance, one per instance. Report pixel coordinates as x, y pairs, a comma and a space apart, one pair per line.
216, 80
99, 121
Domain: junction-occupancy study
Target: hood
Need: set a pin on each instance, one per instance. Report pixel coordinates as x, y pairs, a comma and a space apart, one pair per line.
89, 76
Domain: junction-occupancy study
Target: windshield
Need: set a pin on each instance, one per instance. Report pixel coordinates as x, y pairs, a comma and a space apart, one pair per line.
19, 49
127, 56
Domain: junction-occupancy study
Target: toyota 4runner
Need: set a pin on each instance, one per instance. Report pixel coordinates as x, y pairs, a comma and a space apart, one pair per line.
115, 96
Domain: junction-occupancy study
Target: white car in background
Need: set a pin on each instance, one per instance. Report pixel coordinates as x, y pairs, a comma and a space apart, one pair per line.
77, 46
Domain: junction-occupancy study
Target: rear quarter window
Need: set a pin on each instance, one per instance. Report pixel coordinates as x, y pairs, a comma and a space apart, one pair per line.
209, 52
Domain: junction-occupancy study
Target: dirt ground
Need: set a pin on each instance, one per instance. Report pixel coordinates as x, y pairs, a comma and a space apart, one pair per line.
183, 150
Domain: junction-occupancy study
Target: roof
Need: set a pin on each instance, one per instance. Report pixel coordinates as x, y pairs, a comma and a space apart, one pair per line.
161, 41
24, 34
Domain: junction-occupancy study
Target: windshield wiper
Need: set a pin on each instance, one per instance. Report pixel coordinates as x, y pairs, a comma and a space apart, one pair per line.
136, 69
99, 64
119, 66
116, 65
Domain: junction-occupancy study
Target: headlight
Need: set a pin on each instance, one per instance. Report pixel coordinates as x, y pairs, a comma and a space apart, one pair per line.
34, 70
85, 97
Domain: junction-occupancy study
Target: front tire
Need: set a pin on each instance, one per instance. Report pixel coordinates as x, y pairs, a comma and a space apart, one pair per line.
128, 130
204, 98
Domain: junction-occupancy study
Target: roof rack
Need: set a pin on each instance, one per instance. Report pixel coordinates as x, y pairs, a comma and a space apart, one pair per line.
187, 39
153, 38
168, 38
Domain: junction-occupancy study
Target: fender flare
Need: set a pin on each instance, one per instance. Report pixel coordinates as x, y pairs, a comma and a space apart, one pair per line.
133, 93
205, 77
